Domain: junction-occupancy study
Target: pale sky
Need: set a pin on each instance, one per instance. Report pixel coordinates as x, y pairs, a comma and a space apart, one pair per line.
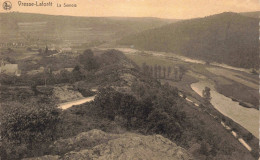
174, 9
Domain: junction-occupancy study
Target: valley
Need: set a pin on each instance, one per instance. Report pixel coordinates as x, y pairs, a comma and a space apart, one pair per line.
207, 75
97, 87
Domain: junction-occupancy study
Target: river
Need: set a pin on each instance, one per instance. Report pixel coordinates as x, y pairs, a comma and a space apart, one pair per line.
178, 56
246, 117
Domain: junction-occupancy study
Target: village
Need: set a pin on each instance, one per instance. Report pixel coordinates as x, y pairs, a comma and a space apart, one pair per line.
12, 62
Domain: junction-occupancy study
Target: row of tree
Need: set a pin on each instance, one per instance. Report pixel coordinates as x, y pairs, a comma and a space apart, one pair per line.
163, 72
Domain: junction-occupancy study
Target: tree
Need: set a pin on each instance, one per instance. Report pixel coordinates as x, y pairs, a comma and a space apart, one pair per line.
206, 95
127, 107
108, 100
155, 71
9, 50
47, 74
34, 88
46, 50
40, 51
184, 95
29, 49
88, 52
76, 74
159, 71
76, 68
88, 60
175, 73
147, 70
164, 72
182, 71
254, 71
151, 71
249, 136
10, 60
204, 148
144, 67
169, 71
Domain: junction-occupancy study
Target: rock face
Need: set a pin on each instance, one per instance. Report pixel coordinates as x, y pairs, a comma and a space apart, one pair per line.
66, 93
47, 157
84, 140
99, 145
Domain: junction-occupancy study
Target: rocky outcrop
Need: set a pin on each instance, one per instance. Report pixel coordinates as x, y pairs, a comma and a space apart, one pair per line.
47, 157
99, 145
133, 146
84, 140
66, 93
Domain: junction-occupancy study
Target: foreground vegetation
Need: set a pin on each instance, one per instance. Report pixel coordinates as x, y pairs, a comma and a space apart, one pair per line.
161, 111
127, 100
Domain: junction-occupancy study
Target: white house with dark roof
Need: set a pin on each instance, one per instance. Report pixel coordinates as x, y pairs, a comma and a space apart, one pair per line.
10, 69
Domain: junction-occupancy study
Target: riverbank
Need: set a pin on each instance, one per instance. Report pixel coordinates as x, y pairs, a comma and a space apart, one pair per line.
246, 117
242, 141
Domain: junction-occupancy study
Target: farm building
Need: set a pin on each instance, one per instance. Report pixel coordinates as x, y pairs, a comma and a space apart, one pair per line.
66, 50
10, 69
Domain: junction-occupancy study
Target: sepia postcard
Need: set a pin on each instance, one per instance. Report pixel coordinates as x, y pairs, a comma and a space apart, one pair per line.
129, 79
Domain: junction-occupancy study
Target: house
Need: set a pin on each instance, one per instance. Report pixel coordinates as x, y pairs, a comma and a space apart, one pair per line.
10, 69
61, 70
34, 72
69, 69
66, 50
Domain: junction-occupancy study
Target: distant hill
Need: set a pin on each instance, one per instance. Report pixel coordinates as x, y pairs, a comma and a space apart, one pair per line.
228, 38
40, 28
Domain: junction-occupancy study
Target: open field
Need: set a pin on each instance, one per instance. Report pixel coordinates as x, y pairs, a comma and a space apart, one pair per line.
151, 60
245, 80
239, 92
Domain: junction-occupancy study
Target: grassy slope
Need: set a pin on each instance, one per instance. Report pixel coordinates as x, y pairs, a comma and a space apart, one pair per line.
226, 38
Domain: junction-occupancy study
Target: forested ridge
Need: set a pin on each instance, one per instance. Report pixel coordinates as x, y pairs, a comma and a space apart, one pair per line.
228, 38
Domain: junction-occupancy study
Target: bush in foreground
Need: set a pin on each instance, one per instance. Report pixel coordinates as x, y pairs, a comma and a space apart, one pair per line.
26, 129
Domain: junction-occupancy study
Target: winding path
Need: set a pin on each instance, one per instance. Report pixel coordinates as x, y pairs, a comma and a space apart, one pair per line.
67, 105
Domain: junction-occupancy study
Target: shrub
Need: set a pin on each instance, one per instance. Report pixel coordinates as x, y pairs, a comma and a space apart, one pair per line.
249, 136
88, 60
150, 114
30, 126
